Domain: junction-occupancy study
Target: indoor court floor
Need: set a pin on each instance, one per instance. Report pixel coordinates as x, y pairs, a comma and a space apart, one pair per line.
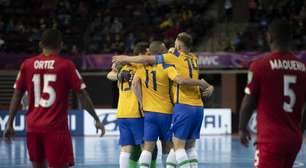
94, 152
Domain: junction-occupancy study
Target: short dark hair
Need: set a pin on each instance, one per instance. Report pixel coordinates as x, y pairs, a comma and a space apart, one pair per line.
51, 38
155, 47
280, 31
140, 48
186, 39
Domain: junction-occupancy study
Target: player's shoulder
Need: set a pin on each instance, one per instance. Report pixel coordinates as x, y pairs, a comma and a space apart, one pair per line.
261, 61
30, 61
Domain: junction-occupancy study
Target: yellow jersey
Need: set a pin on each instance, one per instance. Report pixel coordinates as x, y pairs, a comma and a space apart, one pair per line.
186, 65
127, 103
156, 87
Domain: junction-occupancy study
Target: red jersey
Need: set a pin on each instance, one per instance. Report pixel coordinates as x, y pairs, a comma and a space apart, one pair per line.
278, 81
48, 81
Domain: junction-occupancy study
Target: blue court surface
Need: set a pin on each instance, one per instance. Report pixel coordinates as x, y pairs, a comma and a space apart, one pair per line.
94, 152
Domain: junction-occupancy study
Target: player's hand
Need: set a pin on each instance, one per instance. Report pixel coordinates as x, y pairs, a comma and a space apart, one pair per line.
208, 91
245, 137
114, 67
8, 133
119, 59
100, 126
141, 108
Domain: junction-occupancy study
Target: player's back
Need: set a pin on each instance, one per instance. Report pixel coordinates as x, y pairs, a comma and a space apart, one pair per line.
48, 80
281, 95
156, 87
127, 103
186, 65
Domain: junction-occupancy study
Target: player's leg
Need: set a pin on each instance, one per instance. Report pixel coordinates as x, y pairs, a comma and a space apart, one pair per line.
180, 153
36, 150
290, 159
194, 134
126, 141
146, 154
182, 125
135, 154
151, 133
166, 147
39, 165
154, 157
192, 153
124, 158
58, 149
171, 159
264, 158
164, 123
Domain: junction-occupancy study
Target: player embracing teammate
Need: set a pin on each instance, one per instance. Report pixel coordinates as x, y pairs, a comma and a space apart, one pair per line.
276, 89
181, 66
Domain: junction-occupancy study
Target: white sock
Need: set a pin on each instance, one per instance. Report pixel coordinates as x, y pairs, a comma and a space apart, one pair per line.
124, 159
164, 160
193, 157
171, 161
145, 159
182, 158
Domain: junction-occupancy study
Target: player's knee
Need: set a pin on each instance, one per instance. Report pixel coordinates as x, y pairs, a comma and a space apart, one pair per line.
190, 144
126, 148
149, 146
166, 146
178, 143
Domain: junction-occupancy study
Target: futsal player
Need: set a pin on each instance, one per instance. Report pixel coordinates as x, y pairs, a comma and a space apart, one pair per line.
48, 79
152, 85
188, 108
276, 89
129, 114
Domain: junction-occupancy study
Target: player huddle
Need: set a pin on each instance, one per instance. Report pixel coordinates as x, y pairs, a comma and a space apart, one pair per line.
161, 98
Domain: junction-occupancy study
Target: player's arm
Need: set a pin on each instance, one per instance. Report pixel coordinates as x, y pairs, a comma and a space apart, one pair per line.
15, 101
136, 87
142, 59
89, 107
76, 83
304, 120
247, 108
174, 76
249, 104
112, 75
191, 82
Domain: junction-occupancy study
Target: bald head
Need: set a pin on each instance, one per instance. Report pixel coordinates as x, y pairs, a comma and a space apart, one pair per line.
157, 47
279, 33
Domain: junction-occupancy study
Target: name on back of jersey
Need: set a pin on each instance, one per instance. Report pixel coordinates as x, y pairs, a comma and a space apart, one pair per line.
277, 64
49, 64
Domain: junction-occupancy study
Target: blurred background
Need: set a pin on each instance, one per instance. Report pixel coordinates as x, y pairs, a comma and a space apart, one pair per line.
227, 34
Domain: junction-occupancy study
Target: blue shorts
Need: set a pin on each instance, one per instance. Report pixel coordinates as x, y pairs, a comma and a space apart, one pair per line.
157, 125
131, 131
187, 121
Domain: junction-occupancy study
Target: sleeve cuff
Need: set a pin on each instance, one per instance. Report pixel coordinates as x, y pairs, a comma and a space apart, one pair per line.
159, 59
247, 91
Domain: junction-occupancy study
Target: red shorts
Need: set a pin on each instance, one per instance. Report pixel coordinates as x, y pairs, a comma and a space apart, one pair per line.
272, 156
55, 148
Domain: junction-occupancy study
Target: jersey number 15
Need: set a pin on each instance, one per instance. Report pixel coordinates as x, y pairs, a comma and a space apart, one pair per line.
45, 103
